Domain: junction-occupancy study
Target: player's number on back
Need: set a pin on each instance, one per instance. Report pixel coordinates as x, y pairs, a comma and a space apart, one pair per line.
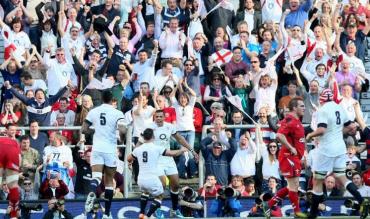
337, 114
145, 156
103, 121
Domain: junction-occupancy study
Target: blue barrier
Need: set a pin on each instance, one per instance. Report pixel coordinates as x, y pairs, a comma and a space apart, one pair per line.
129, 208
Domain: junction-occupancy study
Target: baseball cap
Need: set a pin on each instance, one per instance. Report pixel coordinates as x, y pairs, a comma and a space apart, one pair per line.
326, 96
217, 144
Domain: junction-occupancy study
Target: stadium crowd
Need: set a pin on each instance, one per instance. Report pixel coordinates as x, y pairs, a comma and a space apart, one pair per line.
203, 62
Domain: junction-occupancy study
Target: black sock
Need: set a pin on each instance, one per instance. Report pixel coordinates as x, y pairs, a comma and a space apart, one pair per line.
108, 196
143, 200
153, 207
351, 187
94, 183
316, 200
174, 200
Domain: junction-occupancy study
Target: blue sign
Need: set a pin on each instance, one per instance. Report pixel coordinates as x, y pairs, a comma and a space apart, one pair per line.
129, 208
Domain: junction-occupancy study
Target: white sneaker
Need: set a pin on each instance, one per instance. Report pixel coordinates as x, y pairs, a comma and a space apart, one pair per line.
107, 217
89, 203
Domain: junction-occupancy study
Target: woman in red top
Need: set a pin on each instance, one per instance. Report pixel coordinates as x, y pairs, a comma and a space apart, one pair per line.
11, 114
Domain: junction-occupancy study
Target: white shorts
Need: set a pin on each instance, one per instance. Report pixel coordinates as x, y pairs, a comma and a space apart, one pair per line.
167, 167
106, 159
151, 185
325, 164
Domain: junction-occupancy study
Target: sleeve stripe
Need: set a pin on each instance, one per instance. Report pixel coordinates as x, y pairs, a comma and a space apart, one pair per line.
88, 122
322, 125
164, 152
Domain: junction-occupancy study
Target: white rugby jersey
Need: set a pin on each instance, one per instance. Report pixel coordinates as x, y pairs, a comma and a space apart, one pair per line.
104, 118
162, 135
148, 155
332, 115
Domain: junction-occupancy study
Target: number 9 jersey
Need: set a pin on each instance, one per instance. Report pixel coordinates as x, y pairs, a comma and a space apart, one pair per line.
104, 119
332, 117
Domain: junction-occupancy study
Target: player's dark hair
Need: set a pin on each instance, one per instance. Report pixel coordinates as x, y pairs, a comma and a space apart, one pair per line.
294, 103
159, 111
107, 96
148, 134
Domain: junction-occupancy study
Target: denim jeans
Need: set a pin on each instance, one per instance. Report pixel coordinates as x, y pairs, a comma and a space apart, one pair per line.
186, 163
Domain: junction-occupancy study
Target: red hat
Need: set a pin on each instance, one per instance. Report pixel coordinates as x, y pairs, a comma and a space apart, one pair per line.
326, 96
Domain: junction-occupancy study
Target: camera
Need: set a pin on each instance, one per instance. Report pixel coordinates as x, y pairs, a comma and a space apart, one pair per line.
228, 192
189, 194
30, 207
350, 203
26, 209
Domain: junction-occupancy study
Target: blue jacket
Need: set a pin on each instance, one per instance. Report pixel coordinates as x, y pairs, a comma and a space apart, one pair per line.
39, 112
297, 18
218, 165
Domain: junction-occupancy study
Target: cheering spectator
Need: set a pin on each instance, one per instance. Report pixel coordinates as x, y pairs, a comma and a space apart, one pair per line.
53, 187
69, 115
39, 108
11, 115
217, 161
217, 90
29, 190
245, 157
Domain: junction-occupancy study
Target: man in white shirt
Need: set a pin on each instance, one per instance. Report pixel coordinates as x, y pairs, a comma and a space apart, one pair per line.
245, 157
331, 156
69, 114
364, 190
143, 70
59, 71
32, 84
172, 42
105, 119
165, 76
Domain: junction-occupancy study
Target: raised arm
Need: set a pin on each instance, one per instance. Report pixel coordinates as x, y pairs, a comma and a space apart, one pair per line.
21, 97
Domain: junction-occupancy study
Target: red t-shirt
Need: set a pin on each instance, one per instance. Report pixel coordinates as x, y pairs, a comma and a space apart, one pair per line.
293, 130
211, 193
169, 114
198, 120
10, 117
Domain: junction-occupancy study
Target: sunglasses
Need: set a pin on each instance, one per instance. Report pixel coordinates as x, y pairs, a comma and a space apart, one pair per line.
254, 61
217, 79
188, 65
273, 146
27, 183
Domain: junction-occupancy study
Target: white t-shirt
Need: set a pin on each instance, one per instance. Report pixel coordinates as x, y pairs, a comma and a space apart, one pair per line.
58, 154
58, 74
37, 84
334, 117
243, 161
69, 117
148, 155
143, 120
77, 44
184, 115
104, 118
269, 169
271, 10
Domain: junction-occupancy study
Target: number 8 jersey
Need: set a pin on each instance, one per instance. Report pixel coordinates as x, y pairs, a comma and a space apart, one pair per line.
104, 119
332, 117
